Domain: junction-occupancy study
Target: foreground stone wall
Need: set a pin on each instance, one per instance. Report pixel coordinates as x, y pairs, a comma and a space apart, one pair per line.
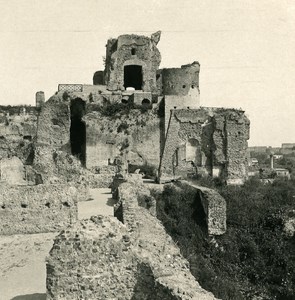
35, 209
101, 258
170, 269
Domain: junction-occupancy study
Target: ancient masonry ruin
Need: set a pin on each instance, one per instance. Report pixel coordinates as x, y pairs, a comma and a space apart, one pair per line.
103, 258
135, 119
134, 111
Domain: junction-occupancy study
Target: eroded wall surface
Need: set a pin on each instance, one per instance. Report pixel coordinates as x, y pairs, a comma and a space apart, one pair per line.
129, 50
218, 139
133, 135
17, 133
12, 171
168, 266
214, 206
101, 258
35, 209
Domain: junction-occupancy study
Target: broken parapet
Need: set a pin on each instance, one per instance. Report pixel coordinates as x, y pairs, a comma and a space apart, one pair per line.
102, 258
214, 207
35, 209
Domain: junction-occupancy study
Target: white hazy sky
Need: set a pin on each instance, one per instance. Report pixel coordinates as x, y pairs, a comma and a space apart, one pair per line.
246, 50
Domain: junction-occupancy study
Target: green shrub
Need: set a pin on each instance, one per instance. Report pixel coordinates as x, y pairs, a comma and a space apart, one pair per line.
254, 258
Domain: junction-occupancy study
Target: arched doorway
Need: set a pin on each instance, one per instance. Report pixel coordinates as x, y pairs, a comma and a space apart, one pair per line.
78, 130
193, 152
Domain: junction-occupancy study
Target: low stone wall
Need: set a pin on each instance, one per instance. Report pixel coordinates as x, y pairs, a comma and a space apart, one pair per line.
169, 268
101, 258
214, 206
35, 209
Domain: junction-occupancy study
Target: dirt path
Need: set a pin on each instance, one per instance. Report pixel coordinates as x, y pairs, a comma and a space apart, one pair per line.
22, 257
102, 204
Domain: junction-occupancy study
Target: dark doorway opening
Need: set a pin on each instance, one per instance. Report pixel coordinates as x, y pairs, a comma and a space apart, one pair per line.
133, 77
146, 103
78, 130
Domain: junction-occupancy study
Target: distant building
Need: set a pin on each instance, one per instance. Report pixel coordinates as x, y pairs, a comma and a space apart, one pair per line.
288, 146
280, 172
278, 156
254, 162
261, 149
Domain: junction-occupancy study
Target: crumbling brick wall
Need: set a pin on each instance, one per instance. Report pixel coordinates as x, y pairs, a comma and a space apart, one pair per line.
179, 81
184, 125
17, 133
101, 258
133, 135
222, 136
35, 209
214, 206
168, 266
132, 50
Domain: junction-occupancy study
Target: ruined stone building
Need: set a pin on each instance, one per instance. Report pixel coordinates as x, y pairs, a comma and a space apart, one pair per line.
134, 116
150, 118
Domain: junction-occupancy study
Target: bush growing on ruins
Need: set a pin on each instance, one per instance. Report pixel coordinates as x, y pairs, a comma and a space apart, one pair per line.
116, 109
254, 258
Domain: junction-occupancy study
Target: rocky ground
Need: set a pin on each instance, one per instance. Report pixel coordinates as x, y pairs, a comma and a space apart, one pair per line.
22, 257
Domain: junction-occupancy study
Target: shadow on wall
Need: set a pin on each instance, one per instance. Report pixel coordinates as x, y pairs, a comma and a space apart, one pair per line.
30, 297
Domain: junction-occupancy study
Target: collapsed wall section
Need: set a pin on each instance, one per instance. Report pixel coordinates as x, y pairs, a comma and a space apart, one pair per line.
101, 258
17, 132
206, 140
170, 269
214, 206
188, 144
35, 209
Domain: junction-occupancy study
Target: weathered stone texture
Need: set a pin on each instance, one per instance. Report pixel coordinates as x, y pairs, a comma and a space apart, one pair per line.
214, 207
17, 133
12, 171
218, 139
168, 266
132, 50
134, 135
179, 81
35, 209
54, 124
185, 125
101, 258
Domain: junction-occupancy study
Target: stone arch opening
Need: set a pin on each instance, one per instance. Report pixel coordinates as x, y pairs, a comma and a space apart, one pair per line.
146, 102
193, 151
133, 77
78, 130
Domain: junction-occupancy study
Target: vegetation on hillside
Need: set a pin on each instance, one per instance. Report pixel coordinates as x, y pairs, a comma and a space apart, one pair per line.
255, 259
16, 109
